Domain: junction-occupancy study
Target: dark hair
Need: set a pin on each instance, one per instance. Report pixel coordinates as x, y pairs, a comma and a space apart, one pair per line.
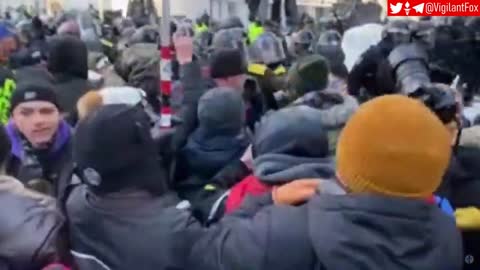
5, 146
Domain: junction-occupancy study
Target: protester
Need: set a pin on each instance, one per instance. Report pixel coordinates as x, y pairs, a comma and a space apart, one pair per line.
227, 69
40, 138
128, 193
385, 203
363, 74
31, 218
68, 63
277, 165
283, 152
32, 46
213, 150
8, 43
69, 27
139, 67
93, 100
219, 139
308, 82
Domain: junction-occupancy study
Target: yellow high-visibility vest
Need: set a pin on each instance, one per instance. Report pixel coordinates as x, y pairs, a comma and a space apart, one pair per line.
260, 69
254, 31
257, 69
200, 28
280, 70
6, 91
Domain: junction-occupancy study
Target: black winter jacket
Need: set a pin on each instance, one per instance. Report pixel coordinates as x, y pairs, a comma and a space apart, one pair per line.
128, 231
29, 226
331, 232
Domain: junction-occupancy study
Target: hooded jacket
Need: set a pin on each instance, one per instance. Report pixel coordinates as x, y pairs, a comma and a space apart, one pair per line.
53, 165
290, 144
29, 227
332, 232
220, 137
68, 62
128, 193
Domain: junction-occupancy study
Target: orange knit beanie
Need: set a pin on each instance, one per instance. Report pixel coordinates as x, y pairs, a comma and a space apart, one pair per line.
393, 145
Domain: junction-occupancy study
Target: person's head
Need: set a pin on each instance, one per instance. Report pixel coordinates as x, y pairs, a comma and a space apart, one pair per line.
138, 65
308, 74
271, 26
93, 100
221, 111
295, 131
394, 146
398, 31
35, 112
302, 42
8, 43
268, 49
228, 68
68, 55
228, 39
69, 27
231, 22
114, 151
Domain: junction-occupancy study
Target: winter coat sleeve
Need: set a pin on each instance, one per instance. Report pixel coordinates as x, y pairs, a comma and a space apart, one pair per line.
367, 63
231, 174
34, 220
194, 87
254, 237
238, 242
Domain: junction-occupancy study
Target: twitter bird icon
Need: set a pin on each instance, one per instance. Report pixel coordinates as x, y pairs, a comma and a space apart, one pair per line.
395, 9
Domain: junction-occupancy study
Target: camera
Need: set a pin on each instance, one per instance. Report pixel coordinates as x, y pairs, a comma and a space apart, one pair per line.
412, 74
410, 66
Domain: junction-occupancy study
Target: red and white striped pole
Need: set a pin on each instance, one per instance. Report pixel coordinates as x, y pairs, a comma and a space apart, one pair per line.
165, 67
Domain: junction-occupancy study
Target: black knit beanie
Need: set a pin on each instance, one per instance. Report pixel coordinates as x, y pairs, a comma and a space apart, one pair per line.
227, 63
34, 91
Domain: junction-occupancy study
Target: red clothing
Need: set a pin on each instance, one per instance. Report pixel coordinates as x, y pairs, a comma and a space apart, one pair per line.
248, 186
252, 186
431, 200
56, 266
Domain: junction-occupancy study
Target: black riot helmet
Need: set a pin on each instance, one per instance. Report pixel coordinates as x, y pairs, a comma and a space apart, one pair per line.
330, 38
302, 42
398, 31
232, 22
303, 37
145, 34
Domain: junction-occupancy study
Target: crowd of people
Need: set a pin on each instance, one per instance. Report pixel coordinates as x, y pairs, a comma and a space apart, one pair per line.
280, 156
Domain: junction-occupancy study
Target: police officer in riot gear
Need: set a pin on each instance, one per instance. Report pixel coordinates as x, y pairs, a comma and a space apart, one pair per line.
267, 56
363, 80
302, 43
329, 46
